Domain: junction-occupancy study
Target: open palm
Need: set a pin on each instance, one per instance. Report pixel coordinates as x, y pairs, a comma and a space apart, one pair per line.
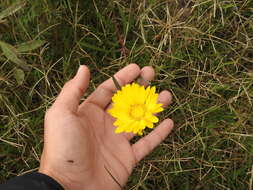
81, 150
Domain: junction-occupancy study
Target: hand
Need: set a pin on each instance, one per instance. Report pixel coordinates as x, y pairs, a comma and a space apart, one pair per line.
81, 150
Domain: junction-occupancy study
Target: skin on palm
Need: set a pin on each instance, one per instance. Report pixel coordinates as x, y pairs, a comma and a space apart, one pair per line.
81, 149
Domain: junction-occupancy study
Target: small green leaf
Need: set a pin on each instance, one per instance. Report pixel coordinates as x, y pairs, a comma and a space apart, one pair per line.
11, 53
29, 46
19, 76
116, 83
12, 9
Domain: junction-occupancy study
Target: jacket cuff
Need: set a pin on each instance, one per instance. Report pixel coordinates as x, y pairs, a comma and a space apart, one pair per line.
32, 181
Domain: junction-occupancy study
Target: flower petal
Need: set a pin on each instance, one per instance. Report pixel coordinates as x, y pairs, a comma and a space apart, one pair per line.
134, 108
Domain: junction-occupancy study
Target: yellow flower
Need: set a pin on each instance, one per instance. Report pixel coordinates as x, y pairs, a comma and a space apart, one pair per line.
134, 108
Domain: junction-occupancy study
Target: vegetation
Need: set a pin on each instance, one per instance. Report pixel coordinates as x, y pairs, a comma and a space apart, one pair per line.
202, 51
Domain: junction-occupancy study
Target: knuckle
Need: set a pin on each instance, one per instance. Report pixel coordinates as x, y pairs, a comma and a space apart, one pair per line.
68, 83
74, 87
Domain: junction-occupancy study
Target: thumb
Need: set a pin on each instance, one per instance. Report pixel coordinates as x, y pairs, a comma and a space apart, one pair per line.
73, 90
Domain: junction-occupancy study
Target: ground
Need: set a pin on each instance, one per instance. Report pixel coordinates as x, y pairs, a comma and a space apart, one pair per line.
202, 51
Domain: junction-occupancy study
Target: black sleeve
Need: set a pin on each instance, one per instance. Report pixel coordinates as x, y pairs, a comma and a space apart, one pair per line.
31, 181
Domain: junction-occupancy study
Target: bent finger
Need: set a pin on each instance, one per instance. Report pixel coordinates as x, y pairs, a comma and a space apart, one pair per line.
146, 144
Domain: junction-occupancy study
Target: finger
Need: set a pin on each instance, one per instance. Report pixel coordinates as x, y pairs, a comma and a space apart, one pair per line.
146, 144
73, 90
147, 75
164, 98
124, 76
103, 94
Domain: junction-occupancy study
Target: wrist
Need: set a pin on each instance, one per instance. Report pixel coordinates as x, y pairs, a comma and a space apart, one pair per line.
55, 177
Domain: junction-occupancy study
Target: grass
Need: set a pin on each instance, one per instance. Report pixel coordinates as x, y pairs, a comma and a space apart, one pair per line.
201, 50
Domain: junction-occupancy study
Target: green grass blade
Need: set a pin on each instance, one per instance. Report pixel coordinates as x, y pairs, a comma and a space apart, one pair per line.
29, 46
116, 83
12, 9
87, 45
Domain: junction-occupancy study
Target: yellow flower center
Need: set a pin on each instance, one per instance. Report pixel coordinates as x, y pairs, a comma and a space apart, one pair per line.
137, 111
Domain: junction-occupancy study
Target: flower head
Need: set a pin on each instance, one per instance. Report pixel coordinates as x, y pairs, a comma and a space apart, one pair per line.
134, 108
